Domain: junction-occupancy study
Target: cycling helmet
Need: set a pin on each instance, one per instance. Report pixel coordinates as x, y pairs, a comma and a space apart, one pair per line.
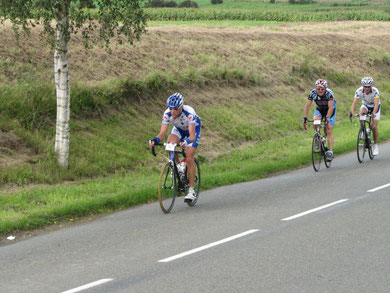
321, 83
367, 81
175, 101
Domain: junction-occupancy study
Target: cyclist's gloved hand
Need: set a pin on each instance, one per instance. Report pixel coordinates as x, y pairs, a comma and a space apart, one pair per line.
304, 120
185, 142
154, 140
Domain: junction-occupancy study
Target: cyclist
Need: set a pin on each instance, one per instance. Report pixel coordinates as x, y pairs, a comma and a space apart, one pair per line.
185, 131
326, 107
371, 103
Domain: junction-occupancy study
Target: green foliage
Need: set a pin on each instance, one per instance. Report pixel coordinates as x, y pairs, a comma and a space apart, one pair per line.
188, 4
104, 20
160, 3
216, 2
263, 15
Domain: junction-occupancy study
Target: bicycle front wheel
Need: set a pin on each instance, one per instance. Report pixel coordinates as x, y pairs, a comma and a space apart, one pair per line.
361, 145
197, 183
316, 152
167, 188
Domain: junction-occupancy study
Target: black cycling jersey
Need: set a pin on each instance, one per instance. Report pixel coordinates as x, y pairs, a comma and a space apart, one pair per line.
322, 101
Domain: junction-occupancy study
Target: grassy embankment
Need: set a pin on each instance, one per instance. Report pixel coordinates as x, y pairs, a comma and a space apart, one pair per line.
248, 86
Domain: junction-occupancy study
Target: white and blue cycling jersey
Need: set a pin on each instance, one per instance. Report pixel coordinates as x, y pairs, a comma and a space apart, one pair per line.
180, 124
368, 100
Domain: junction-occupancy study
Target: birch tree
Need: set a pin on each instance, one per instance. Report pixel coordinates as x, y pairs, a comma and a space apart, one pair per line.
120, 19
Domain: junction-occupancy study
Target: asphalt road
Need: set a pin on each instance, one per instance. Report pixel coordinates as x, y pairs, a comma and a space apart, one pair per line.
298, 232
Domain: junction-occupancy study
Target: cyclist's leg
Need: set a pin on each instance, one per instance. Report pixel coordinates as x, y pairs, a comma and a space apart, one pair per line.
329, 132
374, 126
174, 137
316, 116
363, 110
190, 154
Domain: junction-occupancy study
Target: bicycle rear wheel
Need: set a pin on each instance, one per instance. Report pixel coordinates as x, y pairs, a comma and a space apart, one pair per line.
316, 152
197, 183
361, 145
167, 188
324, 153
370, 143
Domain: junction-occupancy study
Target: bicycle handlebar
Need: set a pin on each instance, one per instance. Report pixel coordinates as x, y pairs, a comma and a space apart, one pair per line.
357, 115
304, 124
183, 152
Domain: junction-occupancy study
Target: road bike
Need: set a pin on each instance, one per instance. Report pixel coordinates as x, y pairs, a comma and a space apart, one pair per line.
365, 139
174, 179
319, 145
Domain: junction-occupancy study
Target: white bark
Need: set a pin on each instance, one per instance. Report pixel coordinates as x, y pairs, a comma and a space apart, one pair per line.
61, 78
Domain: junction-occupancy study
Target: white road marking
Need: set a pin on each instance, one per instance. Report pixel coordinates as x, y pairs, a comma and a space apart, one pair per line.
378, 188
87, 286
314, 210
208, 246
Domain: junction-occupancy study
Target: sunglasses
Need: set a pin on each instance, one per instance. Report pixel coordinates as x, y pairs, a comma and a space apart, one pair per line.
320, 89
367, 87
173, 109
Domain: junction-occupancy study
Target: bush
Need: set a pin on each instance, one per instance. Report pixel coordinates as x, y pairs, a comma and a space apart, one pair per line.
86, 4
216, 1
188, 4
160, 3
170, 4
271, 1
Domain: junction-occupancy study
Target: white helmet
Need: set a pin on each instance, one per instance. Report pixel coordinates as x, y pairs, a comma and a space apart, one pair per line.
367, 81
321, 83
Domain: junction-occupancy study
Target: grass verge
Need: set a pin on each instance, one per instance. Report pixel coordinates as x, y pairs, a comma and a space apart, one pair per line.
37, 207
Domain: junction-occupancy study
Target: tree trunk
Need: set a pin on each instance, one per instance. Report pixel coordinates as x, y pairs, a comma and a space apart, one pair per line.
61, 78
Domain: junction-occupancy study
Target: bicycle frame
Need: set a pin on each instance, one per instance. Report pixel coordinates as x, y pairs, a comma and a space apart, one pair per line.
173, 183
319, 148
367, 143
171, 148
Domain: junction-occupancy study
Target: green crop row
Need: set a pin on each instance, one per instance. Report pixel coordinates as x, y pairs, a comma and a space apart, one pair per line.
185, 14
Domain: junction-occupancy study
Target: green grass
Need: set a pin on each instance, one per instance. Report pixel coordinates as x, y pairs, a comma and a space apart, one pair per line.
40, 206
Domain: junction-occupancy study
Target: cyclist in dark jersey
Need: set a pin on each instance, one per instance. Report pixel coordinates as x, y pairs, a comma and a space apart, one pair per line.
326, 107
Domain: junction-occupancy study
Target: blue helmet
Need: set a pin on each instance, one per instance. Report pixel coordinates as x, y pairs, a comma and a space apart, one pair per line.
175, 101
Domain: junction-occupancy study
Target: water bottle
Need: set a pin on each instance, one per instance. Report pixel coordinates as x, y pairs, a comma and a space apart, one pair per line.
368, 132
182, 166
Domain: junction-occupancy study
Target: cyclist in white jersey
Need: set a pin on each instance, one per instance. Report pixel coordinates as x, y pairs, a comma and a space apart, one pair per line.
371, 104
185, 131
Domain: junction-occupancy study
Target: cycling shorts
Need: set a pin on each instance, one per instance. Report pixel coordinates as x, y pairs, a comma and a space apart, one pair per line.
369, 111
332, 119
185, 133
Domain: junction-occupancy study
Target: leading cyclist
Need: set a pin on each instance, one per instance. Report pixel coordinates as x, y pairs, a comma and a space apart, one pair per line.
185, 131
326, 106
371, 103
